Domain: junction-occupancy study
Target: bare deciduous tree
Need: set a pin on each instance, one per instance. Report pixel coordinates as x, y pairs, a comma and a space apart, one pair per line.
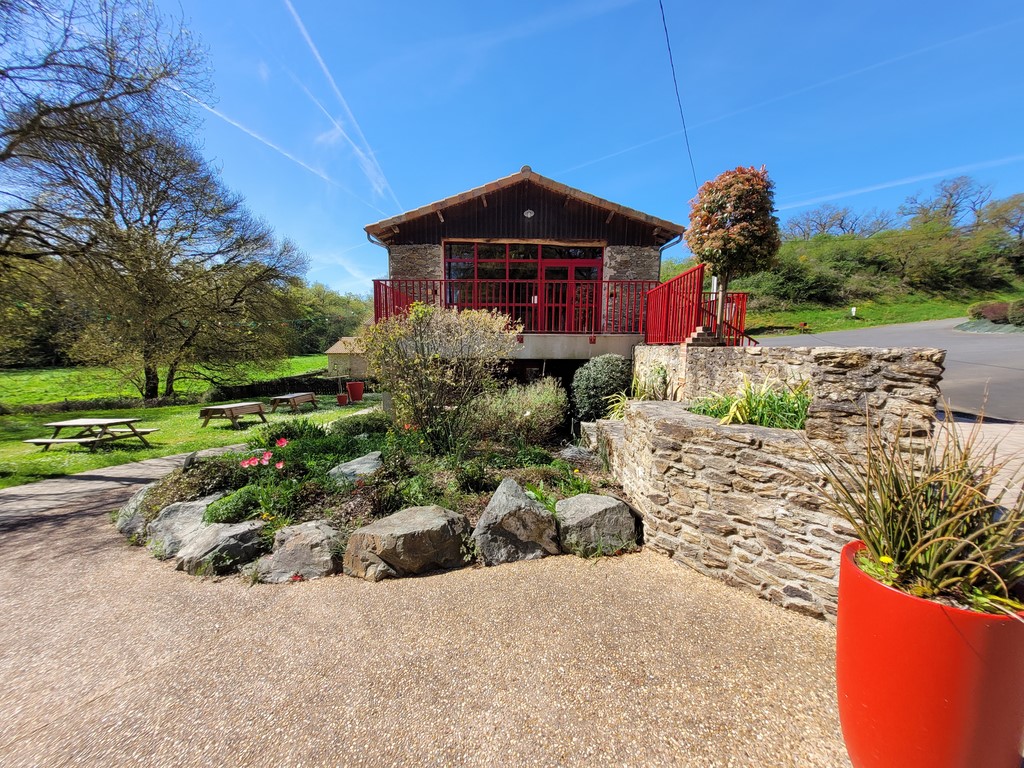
61, 64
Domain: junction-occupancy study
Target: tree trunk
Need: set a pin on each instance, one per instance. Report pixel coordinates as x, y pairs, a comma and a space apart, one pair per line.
151, 389
172, 371
723, 284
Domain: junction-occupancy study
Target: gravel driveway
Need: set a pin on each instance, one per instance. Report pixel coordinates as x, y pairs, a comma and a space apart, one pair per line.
109, 657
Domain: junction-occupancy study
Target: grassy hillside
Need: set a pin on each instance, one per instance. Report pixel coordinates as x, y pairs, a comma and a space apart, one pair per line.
904, 309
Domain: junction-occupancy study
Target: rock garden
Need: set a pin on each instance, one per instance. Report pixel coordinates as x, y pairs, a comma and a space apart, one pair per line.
465, 468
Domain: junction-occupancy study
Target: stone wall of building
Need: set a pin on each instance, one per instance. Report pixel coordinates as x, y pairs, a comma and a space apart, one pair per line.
416, 262
739, 502
631, 262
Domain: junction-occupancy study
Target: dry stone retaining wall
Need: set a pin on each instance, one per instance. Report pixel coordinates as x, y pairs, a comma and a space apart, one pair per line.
739, 502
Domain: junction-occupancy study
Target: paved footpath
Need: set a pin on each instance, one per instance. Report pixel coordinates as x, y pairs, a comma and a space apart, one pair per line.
111, 658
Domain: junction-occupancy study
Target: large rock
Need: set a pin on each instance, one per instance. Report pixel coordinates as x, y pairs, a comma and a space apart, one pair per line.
221, 547
176, 525
514, 527
414, 540
352, 470
592, 525
130, 520
306, 550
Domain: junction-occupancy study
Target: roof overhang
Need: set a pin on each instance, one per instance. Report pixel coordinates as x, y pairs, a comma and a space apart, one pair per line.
385, 229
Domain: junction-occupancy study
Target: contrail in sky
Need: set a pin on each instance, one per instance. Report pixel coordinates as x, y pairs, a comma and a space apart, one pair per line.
798, 91
960, 169
367, 159
283, 152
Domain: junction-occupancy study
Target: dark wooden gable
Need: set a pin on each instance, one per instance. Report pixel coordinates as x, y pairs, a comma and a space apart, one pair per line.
500, 215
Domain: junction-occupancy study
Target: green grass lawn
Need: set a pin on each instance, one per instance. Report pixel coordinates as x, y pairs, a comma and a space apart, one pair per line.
910, 309
180, 432
53, 385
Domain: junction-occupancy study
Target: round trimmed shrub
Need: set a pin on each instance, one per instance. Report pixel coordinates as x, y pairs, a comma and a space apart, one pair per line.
993, 311
1015, 312
597, 380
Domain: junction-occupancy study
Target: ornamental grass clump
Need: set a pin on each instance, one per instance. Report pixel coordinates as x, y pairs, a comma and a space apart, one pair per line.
770, 404
931, 515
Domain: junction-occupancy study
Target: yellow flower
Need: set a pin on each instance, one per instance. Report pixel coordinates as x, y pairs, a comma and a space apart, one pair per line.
575, 471
886, 560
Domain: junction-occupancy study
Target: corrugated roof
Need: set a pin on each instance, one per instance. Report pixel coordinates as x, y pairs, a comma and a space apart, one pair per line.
381, 228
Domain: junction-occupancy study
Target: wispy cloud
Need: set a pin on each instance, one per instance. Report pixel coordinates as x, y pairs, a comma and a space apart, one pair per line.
799, 91
263, 71
283, 152
960, 169
364, 152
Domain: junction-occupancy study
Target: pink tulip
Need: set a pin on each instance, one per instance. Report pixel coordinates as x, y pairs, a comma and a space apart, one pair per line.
280, 465
267, 455
281, 442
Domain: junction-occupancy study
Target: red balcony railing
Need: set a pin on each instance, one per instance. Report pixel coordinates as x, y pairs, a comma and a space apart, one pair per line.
548, 306
666, 313
677, 307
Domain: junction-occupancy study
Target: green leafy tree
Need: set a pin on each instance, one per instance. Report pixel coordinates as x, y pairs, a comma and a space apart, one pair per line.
178, 273
326, 316
435, 362
732, 227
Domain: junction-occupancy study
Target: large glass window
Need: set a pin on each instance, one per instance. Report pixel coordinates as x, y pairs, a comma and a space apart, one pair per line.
518, 261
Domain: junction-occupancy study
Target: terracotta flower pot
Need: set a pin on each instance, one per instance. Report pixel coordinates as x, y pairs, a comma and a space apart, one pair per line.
342, 398
355, 390
925, 685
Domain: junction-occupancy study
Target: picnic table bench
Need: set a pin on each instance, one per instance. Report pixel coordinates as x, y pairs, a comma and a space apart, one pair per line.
231, 411
92, 432
293, 400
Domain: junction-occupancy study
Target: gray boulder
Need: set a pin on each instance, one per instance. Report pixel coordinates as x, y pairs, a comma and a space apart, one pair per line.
176, 525
577, 453
591, 525
221, 547
353, 470
130, 520
414, 540
306, 549
514, 527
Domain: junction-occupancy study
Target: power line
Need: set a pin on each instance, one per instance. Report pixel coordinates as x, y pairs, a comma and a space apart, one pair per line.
679, 101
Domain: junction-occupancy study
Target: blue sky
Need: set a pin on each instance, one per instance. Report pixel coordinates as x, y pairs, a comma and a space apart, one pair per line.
331, 114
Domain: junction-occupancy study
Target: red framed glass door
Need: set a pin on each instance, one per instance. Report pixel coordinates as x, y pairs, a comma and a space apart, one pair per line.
569, 296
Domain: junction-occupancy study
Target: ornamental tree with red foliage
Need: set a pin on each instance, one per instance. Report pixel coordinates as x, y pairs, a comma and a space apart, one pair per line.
733, 228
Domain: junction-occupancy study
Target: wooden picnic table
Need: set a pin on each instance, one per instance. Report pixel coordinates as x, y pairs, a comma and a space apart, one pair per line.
293, 400
92, 432
231, 411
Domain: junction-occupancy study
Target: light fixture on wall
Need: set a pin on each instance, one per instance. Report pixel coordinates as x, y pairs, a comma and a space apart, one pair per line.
528, 213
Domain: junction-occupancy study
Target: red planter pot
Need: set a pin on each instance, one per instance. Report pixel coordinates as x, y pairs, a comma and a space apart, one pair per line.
355, 391
923, 685
342, 398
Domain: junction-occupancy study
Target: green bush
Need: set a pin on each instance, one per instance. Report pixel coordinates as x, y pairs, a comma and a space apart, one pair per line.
235, 507
475, 476
528, 414
769, 405
295, 429
367, 423
598, 379
1015, 312
993, 311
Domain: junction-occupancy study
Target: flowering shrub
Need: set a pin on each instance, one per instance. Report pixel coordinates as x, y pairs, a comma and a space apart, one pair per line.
435, 362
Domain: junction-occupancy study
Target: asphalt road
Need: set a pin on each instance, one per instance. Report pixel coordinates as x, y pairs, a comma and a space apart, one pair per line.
976, 363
